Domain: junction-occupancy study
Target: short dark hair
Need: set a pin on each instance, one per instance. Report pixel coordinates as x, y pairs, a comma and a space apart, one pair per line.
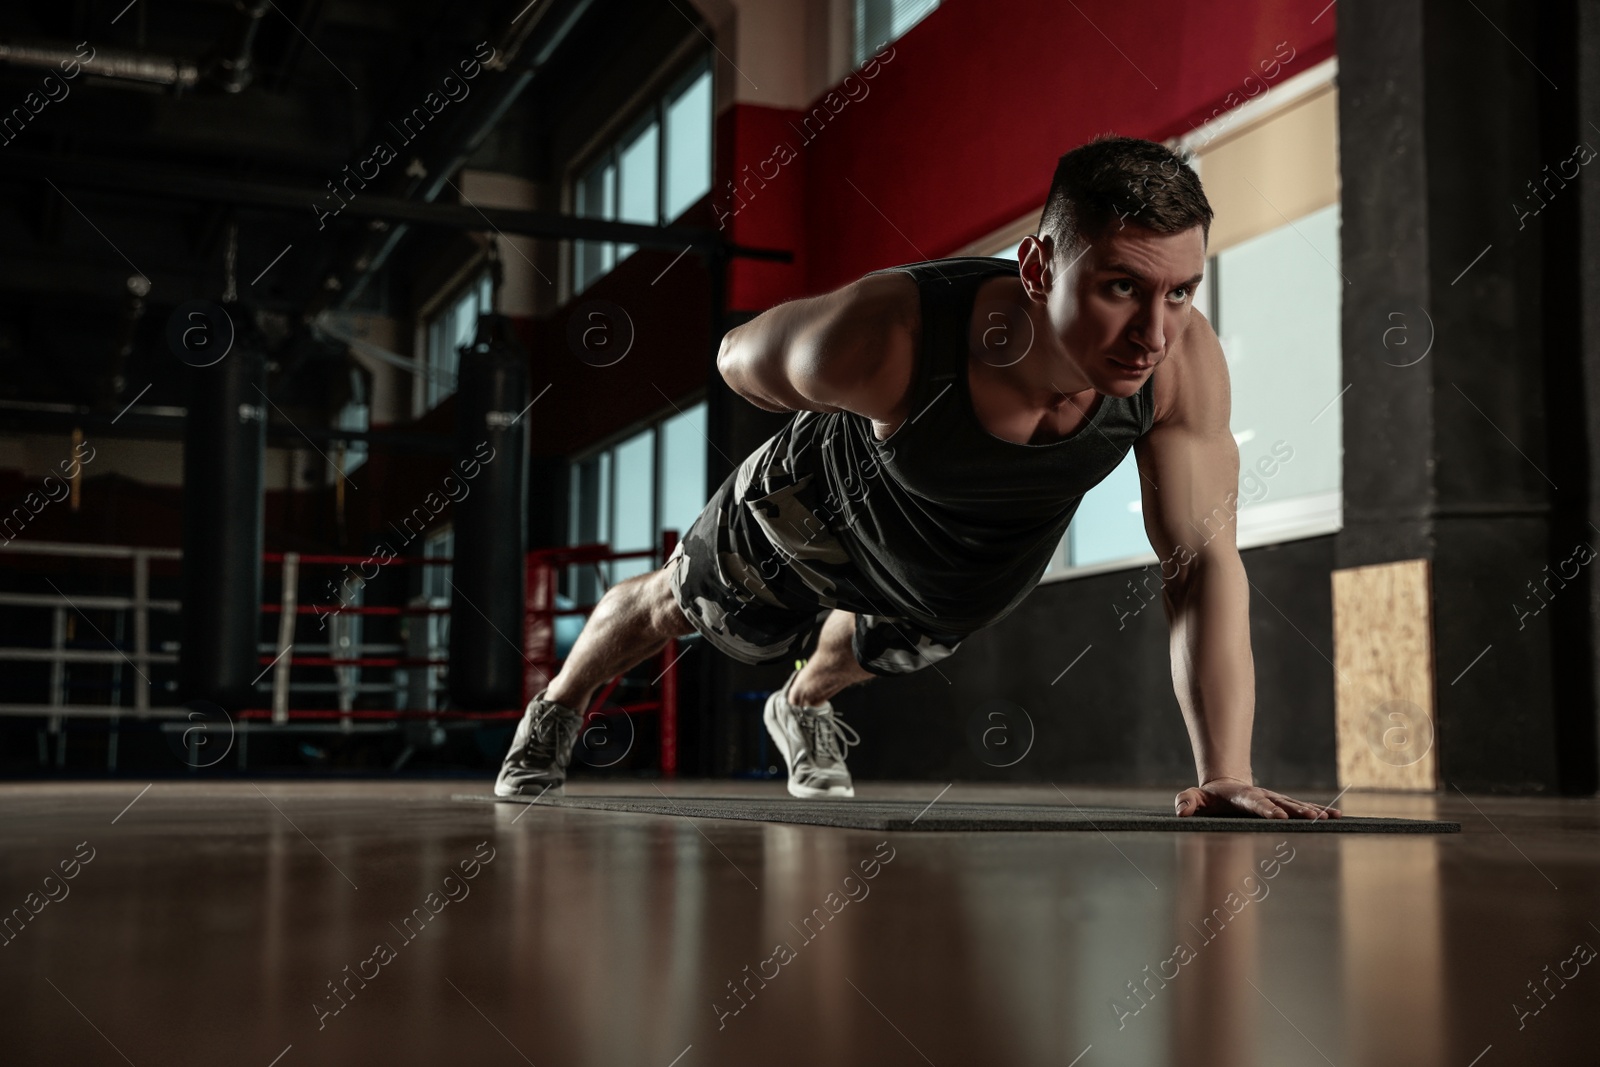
1103, 185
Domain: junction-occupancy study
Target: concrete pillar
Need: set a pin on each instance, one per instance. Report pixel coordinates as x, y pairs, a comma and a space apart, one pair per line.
1472, 455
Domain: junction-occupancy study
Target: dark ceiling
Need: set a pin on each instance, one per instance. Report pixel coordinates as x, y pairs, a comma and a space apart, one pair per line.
202, 129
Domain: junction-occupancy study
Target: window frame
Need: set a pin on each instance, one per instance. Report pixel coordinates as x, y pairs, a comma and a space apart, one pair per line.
471, 279
655, 426
609, 150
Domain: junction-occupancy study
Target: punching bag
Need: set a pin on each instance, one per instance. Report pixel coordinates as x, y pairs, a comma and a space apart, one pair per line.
491, 531
224, 462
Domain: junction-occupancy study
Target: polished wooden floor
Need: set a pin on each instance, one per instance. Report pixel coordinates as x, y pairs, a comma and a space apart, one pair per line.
296, 923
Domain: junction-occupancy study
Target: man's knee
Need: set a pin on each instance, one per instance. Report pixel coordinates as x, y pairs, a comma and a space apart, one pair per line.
665, 614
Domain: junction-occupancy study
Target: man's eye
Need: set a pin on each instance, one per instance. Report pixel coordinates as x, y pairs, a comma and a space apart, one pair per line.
1122, 281
1182, 293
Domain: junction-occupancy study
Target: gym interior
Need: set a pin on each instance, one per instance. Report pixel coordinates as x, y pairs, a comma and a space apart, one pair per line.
351, 350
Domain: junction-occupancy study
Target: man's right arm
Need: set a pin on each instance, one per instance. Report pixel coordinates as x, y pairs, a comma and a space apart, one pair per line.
848, 350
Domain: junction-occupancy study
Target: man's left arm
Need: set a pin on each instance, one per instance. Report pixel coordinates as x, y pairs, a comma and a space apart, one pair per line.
1189, 474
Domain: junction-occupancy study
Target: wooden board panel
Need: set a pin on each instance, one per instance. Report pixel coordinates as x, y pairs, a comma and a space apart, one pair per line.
1383, 677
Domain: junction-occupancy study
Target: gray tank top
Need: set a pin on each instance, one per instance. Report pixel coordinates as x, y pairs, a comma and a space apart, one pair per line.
947, 523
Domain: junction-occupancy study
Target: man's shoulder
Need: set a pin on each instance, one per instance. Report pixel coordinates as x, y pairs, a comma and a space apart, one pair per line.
892, 298
1191, 384
877, 306
865, 344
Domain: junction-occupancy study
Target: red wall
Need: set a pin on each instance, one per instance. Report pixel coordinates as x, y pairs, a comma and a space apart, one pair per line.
961, 128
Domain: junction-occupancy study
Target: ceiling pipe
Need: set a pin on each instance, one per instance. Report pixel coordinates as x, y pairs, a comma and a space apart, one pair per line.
228, 67
113, 64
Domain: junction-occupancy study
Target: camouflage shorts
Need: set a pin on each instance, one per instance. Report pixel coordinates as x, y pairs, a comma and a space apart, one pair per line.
761, 595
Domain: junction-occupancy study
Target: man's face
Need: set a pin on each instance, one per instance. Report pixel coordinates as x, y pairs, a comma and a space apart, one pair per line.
1120, 307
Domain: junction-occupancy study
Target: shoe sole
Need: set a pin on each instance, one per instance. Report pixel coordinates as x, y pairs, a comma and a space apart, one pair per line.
769, 717
557, 788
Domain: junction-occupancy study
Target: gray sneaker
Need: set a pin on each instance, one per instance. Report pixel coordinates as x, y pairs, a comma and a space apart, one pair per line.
540, 751
814, 742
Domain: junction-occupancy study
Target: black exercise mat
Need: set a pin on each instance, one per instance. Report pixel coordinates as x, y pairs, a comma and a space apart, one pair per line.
951, 815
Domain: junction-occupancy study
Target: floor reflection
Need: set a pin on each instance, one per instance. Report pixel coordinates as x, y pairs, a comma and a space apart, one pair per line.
597, 938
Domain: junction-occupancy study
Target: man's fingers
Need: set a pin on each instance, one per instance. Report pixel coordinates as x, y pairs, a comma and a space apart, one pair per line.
1297, 807
1303, 809
1262, 804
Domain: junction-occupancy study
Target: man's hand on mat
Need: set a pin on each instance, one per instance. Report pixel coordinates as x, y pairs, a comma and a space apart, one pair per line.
1229, 796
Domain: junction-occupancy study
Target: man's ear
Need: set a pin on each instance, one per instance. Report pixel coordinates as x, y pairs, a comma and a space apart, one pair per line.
1038, 272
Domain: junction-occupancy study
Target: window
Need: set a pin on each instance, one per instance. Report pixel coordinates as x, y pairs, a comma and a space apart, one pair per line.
627, 494
878, 22
596, 199
638, 171
455, 326
355, 415
687, 175
652, 174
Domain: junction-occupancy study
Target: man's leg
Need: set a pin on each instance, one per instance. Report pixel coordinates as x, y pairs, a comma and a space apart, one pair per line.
833, 666
812, 740
632, 622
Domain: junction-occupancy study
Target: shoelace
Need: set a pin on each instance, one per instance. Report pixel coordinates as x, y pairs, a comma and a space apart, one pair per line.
830, 736
544, 743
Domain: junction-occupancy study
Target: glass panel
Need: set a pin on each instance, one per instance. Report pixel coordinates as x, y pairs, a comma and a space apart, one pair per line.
440, 544
640, 165
574, 483
453, 328
603, 498
355, 415
596, 199
466, 326
1278, 317
1109, 523
907, 13
634, 524
683, 468
688, 176
591, 492
878, 22
434, 378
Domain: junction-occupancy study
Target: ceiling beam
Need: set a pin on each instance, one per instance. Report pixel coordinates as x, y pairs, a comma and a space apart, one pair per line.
189, 185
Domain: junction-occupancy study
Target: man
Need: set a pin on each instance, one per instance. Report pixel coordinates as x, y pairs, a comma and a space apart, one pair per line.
950, 416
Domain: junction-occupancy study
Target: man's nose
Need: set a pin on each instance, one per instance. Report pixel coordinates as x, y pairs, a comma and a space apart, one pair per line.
1149, 331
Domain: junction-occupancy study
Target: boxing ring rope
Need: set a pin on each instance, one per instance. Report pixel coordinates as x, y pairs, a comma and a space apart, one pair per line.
539, 648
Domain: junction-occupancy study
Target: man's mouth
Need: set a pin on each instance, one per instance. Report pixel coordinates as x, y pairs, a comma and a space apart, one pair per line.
1131, 367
